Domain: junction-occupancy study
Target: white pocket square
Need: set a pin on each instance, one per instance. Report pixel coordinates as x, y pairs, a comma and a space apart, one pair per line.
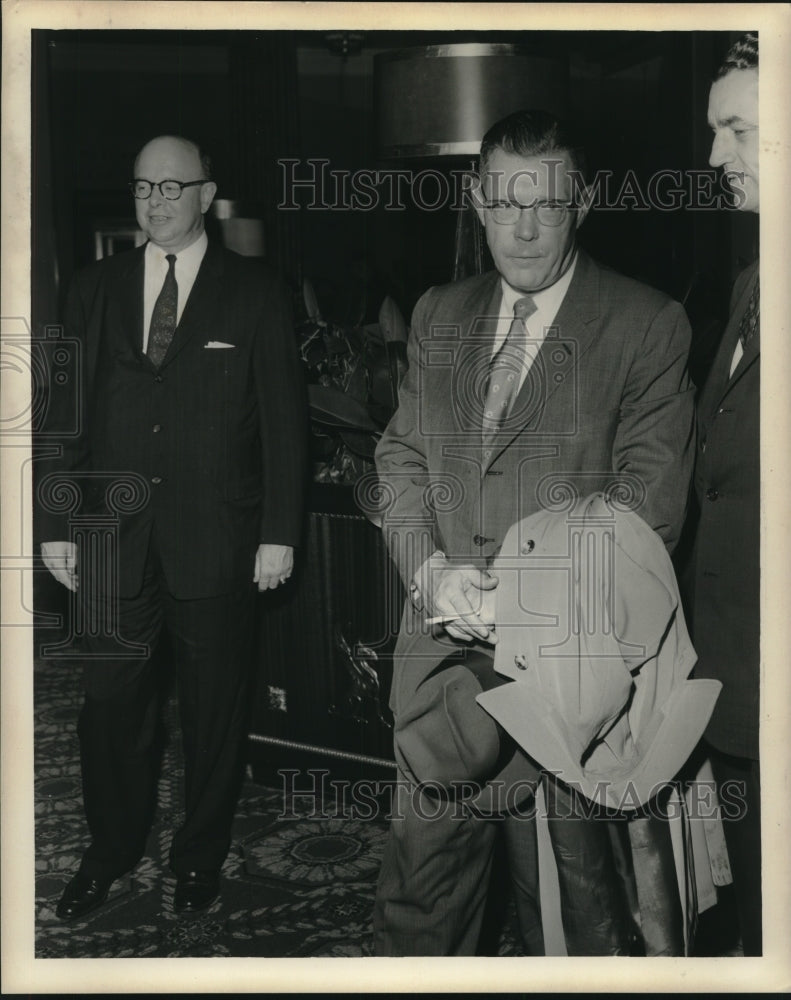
217, 344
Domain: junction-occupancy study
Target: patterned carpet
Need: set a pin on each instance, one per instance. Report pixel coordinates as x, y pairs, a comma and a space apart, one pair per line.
293, 885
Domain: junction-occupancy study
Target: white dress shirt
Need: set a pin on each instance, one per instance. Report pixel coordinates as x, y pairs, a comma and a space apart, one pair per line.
188, 263
738, 351
548, 301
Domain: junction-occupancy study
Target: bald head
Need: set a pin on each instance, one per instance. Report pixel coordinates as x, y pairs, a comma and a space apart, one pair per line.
203, 159
173, 224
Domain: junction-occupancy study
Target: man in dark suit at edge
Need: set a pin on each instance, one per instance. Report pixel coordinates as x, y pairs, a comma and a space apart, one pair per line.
193, 397
601, 391
726, 615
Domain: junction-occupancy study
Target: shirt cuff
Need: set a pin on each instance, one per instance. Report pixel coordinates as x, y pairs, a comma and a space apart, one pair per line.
415, 595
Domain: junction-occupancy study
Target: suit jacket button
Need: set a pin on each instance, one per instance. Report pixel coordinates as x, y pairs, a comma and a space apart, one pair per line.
158, 378
702, 446
712, 494
156, 480
156, 428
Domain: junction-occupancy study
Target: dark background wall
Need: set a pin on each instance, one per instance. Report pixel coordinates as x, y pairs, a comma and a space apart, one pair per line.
252, 97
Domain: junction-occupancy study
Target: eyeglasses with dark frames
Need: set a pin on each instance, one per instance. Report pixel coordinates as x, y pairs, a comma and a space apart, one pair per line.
169, 189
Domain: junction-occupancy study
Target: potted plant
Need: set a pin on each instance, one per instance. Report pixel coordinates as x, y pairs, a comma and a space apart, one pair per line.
353, 373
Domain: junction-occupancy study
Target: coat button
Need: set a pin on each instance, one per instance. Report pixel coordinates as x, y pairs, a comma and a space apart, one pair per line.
481, 539
702, 446
527, 547
156, 428
712, 494
158, 378
156, 480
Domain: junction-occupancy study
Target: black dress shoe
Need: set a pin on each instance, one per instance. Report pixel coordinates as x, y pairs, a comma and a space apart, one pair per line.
195, 891
81, 896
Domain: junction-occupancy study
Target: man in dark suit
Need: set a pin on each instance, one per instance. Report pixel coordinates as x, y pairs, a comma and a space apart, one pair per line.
726, 597
592, 367
192, 414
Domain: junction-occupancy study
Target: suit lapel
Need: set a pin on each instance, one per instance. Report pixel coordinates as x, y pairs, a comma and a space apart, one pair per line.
127, 301
198, 314
720, 382
747, 359
473, 354
572, 333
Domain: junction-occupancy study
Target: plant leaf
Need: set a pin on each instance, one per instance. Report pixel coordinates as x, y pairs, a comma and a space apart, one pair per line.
392, 322
333, 407
310, 300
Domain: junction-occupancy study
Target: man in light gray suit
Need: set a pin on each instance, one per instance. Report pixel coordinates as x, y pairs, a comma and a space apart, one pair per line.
551, 374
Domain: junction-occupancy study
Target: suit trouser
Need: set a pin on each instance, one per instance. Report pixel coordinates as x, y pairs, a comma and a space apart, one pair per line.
211, 646
434, 879
739, 789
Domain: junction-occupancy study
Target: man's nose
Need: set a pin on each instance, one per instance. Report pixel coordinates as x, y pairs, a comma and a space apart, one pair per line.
721, 149
155, 198
526, 227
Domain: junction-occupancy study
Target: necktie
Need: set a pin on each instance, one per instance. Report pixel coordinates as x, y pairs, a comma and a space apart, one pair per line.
750, 324
163, 318
505, 370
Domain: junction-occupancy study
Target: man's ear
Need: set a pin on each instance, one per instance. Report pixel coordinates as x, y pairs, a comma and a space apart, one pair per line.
477, 198
207, 192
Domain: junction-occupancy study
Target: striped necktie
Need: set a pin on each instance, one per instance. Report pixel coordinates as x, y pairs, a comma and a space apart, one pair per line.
505, 370
750, 324
163, 318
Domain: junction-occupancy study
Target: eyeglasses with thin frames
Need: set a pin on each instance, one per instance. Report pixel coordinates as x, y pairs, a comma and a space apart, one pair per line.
169, 189
548, 213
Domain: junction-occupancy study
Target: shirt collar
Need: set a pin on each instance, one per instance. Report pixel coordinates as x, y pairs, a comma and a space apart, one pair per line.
190, 257
547, 301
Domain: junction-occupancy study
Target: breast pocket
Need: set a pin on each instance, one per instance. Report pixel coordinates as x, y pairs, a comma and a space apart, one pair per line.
221, 371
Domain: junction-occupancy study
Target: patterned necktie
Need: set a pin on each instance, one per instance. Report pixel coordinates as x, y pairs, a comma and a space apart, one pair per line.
505, 370
750, 324
163, 318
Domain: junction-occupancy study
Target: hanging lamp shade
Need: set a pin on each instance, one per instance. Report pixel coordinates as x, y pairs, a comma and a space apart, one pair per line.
439, 100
